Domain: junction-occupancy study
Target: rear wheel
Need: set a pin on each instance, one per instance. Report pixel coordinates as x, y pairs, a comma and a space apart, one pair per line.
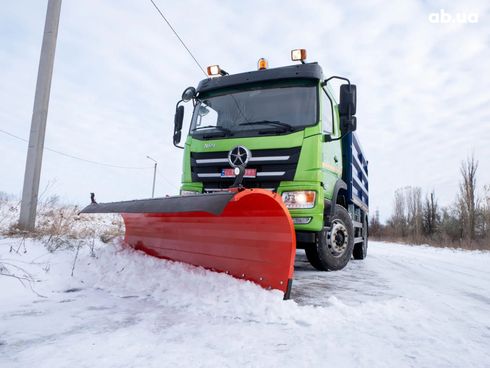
334, 246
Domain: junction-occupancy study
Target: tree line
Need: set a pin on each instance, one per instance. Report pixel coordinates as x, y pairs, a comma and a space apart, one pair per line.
420, 219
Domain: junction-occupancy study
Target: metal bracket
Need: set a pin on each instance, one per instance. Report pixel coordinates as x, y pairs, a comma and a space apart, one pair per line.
239, 178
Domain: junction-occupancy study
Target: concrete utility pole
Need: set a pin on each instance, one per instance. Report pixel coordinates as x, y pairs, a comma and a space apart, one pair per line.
154, 175
32, 175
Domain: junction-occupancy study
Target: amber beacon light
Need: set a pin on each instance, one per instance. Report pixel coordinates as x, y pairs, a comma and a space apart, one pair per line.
262, 64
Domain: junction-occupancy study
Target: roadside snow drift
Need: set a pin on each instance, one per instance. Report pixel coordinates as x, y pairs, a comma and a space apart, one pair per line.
401, 307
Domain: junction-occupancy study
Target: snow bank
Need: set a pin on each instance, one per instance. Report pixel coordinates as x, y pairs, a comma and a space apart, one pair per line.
402, 307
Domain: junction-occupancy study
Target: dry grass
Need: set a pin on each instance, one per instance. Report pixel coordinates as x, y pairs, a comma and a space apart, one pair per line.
58, 225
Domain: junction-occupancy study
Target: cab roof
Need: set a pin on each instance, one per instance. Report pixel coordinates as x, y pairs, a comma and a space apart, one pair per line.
298, 71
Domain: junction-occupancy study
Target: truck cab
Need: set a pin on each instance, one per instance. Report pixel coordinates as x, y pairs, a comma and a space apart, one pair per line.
282, 129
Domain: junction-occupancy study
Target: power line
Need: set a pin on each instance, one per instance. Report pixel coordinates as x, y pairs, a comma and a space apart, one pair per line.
190, 53
13, 135
76, 157
180, 39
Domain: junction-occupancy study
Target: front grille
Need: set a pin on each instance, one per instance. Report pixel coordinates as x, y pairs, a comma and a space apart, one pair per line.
272, 165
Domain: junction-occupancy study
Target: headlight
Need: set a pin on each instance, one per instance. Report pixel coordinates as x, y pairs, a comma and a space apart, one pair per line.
188, 192
299, 199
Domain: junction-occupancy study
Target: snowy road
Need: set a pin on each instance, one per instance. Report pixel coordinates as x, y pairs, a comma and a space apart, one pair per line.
401, 307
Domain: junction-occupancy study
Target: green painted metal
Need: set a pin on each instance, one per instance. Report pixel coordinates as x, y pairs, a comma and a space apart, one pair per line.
319, 166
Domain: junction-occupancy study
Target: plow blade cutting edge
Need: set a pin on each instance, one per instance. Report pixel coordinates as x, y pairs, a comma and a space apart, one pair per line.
248, 234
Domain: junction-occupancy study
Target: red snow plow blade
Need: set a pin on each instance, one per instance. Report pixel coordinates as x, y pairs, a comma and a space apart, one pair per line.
248, 234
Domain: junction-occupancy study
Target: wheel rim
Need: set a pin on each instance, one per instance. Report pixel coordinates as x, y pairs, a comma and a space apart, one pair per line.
338, 239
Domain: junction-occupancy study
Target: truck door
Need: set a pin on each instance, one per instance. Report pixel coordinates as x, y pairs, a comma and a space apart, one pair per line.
332, 153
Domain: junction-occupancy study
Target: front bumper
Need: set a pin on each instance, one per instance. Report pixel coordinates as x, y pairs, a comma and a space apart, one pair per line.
315, 213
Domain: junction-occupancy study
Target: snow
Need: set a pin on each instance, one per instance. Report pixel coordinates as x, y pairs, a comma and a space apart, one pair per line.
401, 307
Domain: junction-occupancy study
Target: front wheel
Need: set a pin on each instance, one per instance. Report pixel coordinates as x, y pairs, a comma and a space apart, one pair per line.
334, 245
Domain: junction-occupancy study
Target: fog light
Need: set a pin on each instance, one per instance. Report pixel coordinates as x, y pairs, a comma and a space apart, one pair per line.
188, 192
301, 220
299, 199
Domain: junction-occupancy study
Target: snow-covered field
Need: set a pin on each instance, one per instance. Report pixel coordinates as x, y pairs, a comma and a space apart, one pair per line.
401, 307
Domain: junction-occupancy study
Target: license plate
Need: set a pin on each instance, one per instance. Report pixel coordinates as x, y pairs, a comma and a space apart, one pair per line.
230, 173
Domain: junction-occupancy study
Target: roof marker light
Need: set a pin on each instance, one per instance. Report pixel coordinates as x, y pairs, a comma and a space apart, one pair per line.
262, 64
298, 55
214, 70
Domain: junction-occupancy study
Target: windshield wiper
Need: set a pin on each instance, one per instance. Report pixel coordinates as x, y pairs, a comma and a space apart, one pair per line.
286, 126
227, 131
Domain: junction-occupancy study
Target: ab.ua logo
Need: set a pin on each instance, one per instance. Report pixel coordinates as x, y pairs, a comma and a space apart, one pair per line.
444, 17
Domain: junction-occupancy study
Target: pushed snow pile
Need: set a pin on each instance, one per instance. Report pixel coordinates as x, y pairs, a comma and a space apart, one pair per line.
401, 307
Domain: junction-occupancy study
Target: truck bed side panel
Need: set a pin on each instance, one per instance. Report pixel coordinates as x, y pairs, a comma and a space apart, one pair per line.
355, 172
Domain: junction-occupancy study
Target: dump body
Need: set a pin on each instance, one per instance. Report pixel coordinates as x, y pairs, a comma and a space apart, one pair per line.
355, 172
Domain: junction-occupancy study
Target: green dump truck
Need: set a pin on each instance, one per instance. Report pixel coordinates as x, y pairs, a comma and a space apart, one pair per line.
282, 129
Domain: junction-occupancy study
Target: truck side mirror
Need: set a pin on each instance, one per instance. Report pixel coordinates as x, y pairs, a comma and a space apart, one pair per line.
178, 120
188, 94
177, 137
348, 99
347, 108
348, 124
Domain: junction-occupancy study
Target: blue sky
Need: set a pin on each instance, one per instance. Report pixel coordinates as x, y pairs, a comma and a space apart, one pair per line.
423, 98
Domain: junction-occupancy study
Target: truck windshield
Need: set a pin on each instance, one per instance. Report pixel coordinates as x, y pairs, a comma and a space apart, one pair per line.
252, 111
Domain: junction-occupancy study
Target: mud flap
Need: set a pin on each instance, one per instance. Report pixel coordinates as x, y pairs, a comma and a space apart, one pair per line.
248, 234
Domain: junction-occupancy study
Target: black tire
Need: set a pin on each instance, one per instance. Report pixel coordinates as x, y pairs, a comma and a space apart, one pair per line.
312, 257
333, 256
360, 249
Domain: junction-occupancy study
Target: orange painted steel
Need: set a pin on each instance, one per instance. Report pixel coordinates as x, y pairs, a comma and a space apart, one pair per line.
253, 238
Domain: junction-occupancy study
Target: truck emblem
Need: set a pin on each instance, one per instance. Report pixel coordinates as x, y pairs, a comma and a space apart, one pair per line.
239, 156
209, 145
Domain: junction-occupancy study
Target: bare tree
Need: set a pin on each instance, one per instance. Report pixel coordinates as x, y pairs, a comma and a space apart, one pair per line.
465, 223
467, 199
414, 211
375, 227
398, 220
486, 212
430, 215
451, 226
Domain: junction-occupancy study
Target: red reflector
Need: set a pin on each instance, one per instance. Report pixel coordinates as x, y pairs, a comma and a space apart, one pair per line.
230, 173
